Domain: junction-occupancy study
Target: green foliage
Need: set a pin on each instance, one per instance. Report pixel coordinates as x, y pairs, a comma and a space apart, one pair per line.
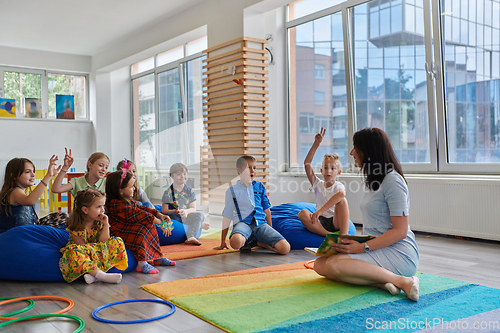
21, 85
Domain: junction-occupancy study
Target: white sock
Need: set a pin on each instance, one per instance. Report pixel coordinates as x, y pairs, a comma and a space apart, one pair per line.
141, 263
109, 277
89, 278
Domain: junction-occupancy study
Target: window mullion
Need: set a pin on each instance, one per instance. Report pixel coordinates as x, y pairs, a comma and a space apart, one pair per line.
157, 122
45, 95
431, 83
442, 151
348, 27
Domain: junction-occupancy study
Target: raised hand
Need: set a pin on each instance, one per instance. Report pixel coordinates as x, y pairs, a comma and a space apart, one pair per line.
52, 169
68, 159
319, 137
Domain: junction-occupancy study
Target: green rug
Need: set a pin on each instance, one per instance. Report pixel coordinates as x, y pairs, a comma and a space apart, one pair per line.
290, 298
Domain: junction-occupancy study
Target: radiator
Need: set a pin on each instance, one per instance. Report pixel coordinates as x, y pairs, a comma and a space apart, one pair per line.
459, 206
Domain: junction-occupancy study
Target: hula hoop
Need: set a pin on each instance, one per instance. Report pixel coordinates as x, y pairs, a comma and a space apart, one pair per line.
79, 320
29, 307
94, 313
66, 309
310, 264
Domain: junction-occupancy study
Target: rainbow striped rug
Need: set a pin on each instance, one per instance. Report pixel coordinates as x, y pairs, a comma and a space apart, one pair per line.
291, 298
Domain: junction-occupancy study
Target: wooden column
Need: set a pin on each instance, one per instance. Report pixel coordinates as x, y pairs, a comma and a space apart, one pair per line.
235, 114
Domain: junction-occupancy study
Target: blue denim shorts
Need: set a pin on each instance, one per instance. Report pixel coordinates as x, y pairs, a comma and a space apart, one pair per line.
261, 233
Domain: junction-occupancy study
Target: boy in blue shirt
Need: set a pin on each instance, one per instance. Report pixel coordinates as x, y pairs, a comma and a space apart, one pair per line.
247, 205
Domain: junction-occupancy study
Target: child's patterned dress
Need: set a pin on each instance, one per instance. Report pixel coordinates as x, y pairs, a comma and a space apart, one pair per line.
78, 260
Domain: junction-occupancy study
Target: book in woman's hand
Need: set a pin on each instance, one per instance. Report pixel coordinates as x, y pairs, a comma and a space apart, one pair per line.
325, 249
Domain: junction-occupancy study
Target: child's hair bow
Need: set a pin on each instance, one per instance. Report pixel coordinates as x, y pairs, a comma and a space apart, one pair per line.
125, 167
126, 164
124, 174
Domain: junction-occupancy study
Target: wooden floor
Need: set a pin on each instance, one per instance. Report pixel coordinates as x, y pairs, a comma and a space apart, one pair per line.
468, 260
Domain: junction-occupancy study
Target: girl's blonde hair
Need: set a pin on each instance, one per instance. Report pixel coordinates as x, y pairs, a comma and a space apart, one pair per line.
137, 195
84, 198
13, 170
334, 157
94, 157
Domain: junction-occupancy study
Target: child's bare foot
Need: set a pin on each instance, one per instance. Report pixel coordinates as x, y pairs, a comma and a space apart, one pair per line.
192, 241
205, 226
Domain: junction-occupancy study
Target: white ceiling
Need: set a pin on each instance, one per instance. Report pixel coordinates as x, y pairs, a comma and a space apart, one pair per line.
83, 27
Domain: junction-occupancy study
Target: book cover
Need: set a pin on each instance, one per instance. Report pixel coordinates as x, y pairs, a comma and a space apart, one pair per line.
7, 107
65, 107
325, 249
33, 107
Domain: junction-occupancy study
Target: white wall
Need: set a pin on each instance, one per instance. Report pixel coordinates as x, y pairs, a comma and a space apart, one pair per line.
121, 132
41, 138
223, 18
11, 56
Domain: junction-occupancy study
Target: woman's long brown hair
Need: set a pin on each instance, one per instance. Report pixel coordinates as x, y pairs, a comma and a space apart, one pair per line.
377, 156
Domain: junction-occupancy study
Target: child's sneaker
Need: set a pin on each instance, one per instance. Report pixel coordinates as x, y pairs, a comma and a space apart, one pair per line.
247, 248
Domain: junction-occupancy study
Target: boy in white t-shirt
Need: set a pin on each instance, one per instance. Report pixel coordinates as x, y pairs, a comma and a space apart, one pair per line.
332, 211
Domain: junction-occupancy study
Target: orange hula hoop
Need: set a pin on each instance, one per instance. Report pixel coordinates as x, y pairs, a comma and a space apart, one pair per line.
59, 298
309, 264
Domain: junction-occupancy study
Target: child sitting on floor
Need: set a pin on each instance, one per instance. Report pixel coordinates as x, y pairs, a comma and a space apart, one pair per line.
97, 168
332, 211
179, 203
91, 251
139, 194
135, 224
247, 205
16, 207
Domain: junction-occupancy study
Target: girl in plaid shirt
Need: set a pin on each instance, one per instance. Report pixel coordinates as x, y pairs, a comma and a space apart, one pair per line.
135, 224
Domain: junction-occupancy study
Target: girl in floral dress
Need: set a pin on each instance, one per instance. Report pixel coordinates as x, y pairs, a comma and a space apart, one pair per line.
91, 251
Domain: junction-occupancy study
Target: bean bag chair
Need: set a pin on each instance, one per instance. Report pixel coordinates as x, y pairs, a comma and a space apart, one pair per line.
32, 253
286, 222
178, 235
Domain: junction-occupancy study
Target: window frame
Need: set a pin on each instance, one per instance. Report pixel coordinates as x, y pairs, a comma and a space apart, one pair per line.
44, 89
438, 146
444, 165
181, 65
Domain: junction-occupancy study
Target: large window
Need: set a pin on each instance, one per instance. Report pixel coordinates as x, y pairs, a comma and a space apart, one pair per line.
64, 84
390, 80
34, 91
143, 90
440, 105
20, 86
318, 88
471, 56
168, 108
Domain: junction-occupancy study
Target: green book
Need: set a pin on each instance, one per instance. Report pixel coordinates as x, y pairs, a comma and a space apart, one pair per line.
325, 249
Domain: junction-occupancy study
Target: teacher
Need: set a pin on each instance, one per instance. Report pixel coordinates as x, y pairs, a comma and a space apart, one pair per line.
390, 260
